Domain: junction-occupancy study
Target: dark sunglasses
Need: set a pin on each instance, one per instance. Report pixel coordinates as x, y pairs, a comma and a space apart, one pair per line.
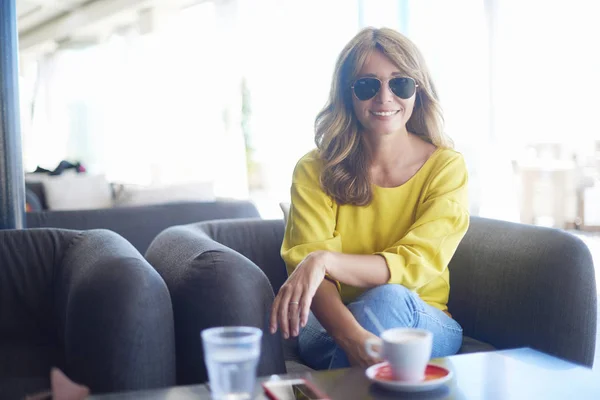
367, 88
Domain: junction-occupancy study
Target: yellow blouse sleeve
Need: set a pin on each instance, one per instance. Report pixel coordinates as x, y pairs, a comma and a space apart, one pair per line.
311, 221
441, 222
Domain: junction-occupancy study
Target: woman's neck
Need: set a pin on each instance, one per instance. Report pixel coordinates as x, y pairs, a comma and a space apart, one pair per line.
391, 151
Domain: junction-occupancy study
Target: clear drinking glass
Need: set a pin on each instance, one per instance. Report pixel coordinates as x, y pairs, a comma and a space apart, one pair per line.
231, 355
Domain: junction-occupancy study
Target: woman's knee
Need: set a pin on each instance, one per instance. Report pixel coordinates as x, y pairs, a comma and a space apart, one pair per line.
393, 306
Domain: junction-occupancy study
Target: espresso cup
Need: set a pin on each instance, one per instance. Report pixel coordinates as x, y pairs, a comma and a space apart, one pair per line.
407, 350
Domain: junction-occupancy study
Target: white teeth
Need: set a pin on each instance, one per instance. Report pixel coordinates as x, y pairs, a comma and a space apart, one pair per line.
384, 114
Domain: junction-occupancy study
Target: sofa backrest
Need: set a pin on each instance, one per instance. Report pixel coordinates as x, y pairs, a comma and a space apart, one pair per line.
140, 225
514, 285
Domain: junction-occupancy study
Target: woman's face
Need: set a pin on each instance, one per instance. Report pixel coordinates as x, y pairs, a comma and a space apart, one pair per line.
385, 113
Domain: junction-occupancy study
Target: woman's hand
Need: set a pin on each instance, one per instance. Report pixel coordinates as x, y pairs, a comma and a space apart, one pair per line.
292, 304
354, 347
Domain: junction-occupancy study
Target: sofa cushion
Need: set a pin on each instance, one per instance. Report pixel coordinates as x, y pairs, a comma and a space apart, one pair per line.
27, 281
470, 345
72, 191
290, 350
25, 367
295, 367
135, 195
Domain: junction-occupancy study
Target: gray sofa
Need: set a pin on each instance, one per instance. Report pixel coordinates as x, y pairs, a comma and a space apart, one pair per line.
139, 225
512, 285
75, 336
87, 303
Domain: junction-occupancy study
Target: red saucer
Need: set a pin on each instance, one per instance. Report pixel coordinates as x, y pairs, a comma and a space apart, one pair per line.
435, 376
432, 372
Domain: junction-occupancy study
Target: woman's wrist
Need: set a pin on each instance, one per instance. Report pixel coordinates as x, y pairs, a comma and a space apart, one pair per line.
327, 259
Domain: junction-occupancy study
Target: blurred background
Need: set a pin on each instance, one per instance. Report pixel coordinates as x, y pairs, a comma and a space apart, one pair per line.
162, 100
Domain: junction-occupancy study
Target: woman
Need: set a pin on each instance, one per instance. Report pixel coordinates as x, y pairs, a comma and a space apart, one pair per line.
377, 211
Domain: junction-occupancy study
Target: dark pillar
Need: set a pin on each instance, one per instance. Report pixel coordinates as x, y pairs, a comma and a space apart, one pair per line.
12, 185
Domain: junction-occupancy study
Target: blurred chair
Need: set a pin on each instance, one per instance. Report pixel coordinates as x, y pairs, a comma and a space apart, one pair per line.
550, 180
86, 302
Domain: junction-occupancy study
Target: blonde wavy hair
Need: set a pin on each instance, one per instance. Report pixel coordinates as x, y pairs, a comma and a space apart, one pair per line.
341, 146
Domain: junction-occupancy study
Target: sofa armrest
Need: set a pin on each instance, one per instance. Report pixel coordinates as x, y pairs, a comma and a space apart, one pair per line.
516, 285
258, 240
115, 316
212, 285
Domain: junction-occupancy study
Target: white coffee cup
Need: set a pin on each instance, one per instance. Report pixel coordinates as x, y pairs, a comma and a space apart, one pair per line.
407, 350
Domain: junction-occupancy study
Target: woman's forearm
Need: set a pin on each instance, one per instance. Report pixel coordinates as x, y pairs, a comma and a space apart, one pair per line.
335, 317
363, 271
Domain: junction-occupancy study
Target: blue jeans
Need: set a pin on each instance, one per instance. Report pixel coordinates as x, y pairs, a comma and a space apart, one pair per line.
394, 306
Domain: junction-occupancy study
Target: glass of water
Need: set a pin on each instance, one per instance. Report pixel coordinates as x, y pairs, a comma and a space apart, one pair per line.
231, 355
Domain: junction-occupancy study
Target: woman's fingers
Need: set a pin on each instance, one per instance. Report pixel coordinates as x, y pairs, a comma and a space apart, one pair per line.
289, 311
299, 311
294, 315
274, 314
277, 309
282, 312
291, 306
305, 309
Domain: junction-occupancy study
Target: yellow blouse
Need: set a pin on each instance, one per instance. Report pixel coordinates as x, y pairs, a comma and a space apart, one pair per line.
416, 227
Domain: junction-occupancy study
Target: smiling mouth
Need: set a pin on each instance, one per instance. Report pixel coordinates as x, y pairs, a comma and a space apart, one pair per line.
385, 113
